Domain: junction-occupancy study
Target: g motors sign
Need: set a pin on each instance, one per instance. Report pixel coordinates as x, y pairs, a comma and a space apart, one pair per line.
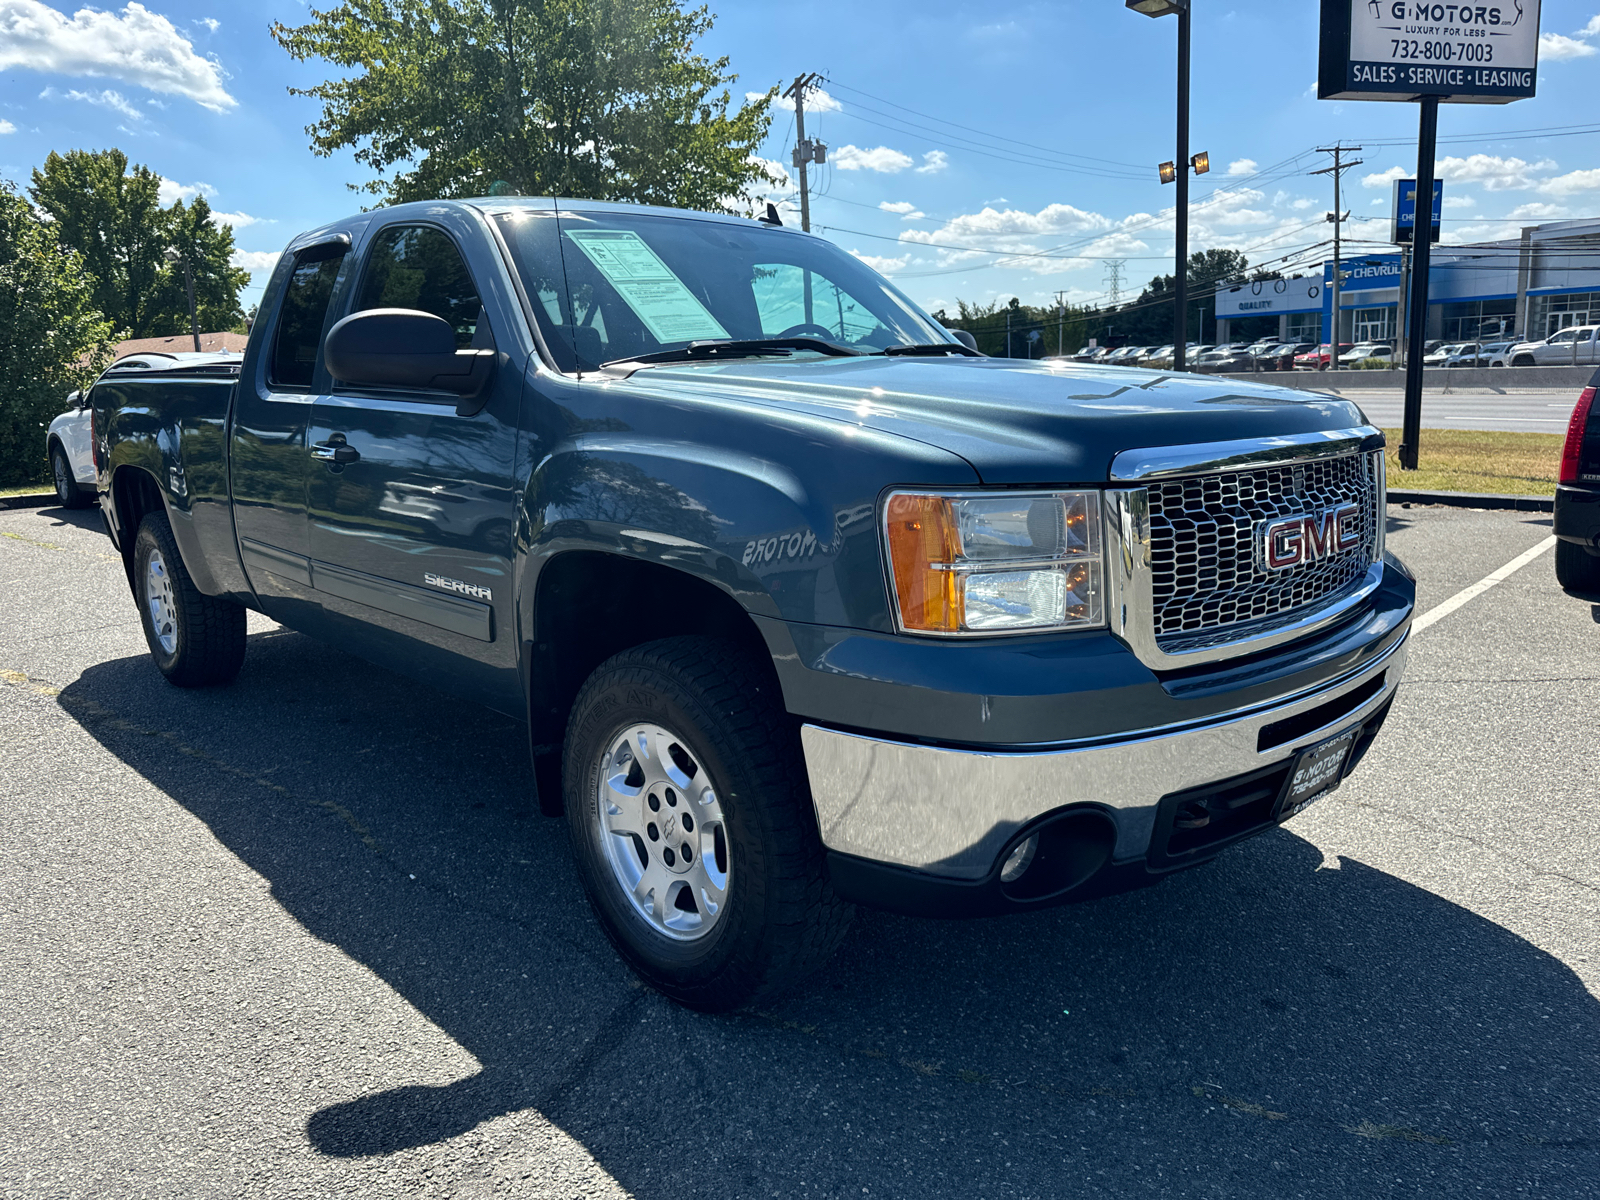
1404, 49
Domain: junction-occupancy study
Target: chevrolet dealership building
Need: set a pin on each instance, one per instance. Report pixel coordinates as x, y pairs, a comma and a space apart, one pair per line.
1528, 287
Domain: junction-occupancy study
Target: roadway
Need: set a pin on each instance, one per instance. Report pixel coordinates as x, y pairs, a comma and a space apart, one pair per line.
1537, 412
303, 936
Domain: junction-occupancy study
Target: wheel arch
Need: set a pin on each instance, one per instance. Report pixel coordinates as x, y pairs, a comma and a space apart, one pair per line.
589, 605
135, 493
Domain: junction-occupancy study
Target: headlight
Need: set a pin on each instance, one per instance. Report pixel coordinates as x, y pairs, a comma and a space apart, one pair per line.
1009, 562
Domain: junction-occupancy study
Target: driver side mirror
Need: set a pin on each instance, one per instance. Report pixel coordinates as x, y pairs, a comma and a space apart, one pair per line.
402, 347
965, 338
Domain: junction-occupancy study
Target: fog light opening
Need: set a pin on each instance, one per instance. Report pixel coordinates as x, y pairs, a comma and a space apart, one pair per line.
1019, 860
1062, 853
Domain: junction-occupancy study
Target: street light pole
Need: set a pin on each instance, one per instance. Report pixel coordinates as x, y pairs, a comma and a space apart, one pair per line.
1180, 249
1182, 165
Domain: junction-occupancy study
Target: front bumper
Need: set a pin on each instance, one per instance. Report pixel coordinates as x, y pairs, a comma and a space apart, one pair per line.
931, 814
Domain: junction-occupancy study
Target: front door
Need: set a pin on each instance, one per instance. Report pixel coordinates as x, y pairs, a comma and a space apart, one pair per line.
410, 536
269, 464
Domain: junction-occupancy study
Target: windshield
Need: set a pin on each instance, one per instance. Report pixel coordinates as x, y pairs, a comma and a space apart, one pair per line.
611, 286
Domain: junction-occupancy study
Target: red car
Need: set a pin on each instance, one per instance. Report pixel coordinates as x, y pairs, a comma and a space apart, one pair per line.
1317, 359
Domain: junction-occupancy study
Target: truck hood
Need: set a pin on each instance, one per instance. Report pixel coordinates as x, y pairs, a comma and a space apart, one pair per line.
1015, 422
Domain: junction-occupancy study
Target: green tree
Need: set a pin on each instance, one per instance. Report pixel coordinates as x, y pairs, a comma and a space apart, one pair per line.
1069, 329
110, 212
52, 339
604, 99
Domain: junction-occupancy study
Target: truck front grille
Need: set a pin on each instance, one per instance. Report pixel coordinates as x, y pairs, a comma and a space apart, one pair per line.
1208, 583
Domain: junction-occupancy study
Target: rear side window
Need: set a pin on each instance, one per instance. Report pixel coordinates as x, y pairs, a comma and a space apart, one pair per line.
300, 320
419, 267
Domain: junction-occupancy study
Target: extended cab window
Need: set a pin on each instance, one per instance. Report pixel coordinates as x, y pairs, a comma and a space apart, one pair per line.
300, 319
419, 267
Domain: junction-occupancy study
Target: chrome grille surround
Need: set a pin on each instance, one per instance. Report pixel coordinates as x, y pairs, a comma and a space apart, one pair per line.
1184, 583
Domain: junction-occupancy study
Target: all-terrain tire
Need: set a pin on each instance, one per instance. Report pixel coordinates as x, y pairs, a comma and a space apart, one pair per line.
67, 489
1576, 569
779, 918
195, 639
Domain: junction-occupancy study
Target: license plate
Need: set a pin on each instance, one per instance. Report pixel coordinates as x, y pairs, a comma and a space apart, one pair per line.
1316, 773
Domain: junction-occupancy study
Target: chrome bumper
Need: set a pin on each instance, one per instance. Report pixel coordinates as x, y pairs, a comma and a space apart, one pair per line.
950, 812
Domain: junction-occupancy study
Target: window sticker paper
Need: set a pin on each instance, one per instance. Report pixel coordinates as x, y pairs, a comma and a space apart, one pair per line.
647, 285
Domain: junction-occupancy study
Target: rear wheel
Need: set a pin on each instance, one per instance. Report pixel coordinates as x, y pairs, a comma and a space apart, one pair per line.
67, 489
691, 824
195, 639
1576, 569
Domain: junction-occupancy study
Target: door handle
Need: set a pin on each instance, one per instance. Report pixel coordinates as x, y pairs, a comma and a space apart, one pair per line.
335, 452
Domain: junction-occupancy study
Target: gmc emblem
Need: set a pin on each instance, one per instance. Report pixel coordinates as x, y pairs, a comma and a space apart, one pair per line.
1296, 541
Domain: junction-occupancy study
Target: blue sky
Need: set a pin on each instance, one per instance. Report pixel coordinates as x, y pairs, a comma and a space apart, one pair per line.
978, 151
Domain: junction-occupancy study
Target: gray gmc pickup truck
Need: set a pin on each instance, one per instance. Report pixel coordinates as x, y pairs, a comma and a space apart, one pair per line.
805, 603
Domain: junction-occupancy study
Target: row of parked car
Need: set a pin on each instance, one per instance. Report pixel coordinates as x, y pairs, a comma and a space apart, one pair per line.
1578, 346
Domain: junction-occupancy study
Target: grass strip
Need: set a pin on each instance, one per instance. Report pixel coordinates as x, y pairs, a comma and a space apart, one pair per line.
1478, 460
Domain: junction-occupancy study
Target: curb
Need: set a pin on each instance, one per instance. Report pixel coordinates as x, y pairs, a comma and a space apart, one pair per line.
30, 500
1476, 500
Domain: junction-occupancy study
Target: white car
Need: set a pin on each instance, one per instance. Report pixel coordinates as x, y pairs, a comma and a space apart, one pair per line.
69, 443
1576, 346
1363, 352
1496, 354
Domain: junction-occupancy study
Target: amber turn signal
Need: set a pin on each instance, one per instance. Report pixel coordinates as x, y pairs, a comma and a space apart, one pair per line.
923, 542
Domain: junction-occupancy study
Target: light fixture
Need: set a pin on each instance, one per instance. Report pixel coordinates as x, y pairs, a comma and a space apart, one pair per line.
1201, 162
1157, 8
1169, 172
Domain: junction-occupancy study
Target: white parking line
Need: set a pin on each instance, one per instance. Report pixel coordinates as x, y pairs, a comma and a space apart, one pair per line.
1441, 611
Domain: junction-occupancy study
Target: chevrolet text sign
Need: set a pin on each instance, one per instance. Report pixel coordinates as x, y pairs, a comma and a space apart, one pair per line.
1402, 49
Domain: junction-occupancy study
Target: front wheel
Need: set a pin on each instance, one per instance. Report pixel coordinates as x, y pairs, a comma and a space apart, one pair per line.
195, 639
691, 826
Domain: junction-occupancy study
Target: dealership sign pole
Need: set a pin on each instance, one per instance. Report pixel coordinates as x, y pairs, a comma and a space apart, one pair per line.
1417, 50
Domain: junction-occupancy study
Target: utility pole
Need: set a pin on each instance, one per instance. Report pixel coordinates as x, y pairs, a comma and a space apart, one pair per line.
1337, 216
174, 255
805, 152
1061, 320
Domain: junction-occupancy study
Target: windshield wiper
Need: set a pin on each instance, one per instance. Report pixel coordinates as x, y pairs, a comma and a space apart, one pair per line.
738, 348
932, 348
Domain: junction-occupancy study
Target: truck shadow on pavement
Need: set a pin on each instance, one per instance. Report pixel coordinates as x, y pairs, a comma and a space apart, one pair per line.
1267, 1021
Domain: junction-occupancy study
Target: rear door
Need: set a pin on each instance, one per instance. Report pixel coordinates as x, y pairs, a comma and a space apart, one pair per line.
268, 453
410, 540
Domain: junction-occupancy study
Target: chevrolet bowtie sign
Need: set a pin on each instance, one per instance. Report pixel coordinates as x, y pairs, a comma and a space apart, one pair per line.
1404, 49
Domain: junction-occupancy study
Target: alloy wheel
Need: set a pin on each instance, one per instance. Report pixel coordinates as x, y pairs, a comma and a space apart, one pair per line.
662, 832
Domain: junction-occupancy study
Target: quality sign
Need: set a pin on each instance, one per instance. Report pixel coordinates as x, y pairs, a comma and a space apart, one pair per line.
1405, 49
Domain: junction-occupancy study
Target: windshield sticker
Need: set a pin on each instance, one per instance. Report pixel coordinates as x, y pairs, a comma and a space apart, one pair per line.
668, 309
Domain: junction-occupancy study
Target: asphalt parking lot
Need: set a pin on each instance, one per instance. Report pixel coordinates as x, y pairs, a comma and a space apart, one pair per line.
303, 936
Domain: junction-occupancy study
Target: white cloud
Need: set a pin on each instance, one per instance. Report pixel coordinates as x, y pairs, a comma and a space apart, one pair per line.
1553, 47
1571, 183
239, 220
115, 101
897, 206
1537, 211
1493, 173
1243, 166
171, 191
1592, 29
210, 23
1384, 178
1460, 202
255, 260
882, 265
879, 158
933, 162
135, 47
817, 101
6, 127
777, 174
